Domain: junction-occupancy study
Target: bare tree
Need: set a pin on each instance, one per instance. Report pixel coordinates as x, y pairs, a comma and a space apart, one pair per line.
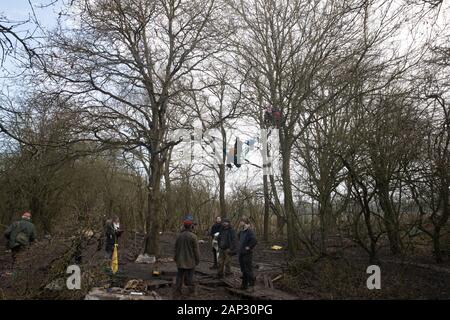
216, 108
294, 46
429, 176
124, 61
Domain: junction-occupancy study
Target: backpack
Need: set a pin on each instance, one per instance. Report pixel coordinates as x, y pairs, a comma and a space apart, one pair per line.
21, 237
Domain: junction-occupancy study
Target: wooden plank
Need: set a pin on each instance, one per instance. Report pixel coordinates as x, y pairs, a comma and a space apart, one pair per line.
167, 269
260, 293
155, 284
205, 272
211, 282
206, 288
232, 282
267, 281
277, 278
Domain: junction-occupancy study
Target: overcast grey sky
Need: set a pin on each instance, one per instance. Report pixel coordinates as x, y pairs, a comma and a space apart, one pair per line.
46, 14
20, 10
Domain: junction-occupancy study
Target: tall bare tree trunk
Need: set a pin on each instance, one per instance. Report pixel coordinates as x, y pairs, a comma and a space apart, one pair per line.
443, 220
278, 209
289, 208
222, 181
223, 209
266, 208
168, 193
390, 219
155, 204
154, 212
324, 217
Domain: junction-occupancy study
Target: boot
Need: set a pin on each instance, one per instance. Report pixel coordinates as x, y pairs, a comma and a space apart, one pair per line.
244, 285
252, 282
193, 291
214, 267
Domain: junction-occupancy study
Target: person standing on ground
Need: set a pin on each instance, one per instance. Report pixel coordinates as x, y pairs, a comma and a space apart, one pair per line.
112, 235
20, 235
214, 234
227, 248
247, 242
187, 257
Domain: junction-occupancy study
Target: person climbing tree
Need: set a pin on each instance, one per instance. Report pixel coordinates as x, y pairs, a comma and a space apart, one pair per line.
276, 116
237, 156
272, 117
230, 157
268, 118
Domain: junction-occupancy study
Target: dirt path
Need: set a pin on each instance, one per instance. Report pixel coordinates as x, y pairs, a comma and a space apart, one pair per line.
208, 286
342, 276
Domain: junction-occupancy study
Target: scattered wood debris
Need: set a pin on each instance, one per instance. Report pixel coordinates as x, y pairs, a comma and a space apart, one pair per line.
145, 258
165, 260
120, 294
260, 293
134, 284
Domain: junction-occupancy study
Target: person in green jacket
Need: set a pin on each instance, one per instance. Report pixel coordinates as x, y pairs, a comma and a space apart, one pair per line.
20, 235
187, 257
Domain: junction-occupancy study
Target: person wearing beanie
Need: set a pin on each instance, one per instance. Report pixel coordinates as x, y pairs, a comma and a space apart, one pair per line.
187, 257
247, 242
227, 248
20, 235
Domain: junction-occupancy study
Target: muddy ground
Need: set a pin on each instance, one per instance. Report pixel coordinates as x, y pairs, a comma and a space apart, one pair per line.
341, 275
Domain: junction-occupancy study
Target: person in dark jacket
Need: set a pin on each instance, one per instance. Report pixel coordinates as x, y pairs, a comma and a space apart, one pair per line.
227, 248
112, 235
187, 257
20, 235
215, 229
247, 242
